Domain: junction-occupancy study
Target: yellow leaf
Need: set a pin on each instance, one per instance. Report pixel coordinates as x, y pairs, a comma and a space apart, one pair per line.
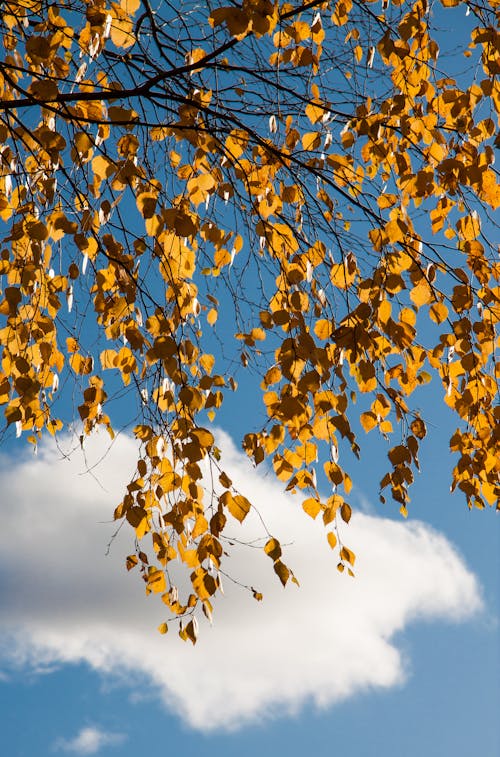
225, 480
332, 539
384, 311
156, 581
438, 312
83, 142
191, 631
236, 143
469, 227
387, 200
204, 437
122, 32
204, 584
341, 277
81, 365
159, 133
130, 6
142, 529
312, 507
238, 506
368, 421
490, 189
330, 512
236, 20
347, 483
207, 362
490, 492
345, 512
273, 549
241, 507
315, 112
311, 140
408, 316
108, 359
421, 294
347, 555
212, 316
72, 344
418, 428
281, 571
273, 376
117, 114
323, 329
131, 562
436, 153
334, 473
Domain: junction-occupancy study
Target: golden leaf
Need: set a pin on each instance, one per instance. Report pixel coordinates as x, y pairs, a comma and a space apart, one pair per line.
468, 227
323, 329
316, 112
204, 437
387, 200
131, 562
438, 312
347, 555
421, 294
273, 549
108, 359
341, 277
282, 571
312, 507
225, 480
332, 539
311, 140
418, 428
156, 581
345, 512
81, 365
238, 506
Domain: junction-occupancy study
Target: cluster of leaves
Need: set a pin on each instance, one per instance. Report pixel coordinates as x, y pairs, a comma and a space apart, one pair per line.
308, 169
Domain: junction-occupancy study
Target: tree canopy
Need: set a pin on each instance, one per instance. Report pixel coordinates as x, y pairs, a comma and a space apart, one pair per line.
304, 193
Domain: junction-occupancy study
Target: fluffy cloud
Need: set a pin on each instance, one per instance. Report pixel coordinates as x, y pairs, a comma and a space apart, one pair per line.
65, 599
89, 741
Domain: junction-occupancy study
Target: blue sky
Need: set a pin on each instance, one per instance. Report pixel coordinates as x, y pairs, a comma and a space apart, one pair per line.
401, 660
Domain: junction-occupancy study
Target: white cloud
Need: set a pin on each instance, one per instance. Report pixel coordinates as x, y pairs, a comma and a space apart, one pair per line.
65, 601
89, 740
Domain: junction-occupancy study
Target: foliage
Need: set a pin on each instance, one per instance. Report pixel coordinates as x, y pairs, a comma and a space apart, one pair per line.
306, 175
